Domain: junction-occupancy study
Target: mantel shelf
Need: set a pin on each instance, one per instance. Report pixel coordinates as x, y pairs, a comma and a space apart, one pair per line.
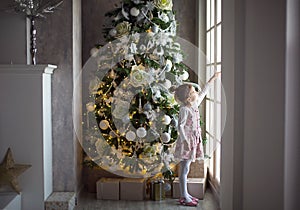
28, 69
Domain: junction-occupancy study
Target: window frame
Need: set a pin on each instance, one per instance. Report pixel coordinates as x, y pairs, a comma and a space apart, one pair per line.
213, 65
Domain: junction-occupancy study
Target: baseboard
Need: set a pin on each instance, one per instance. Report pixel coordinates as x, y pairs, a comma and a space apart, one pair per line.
79, 192
215, 190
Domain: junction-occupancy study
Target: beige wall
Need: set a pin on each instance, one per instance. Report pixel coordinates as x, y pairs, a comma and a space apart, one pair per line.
260, 166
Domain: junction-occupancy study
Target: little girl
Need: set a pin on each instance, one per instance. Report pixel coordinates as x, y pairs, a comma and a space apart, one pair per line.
189, 145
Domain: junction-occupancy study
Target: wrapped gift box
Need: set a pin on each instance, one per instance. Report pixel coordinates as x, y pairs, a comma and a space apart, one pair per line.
60, 201
132, 189
157, 191
108, 188
196, 187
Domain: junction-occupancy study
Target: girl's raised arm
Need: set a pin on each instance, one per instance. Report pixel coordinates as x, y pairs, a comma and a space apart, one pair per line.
205, 89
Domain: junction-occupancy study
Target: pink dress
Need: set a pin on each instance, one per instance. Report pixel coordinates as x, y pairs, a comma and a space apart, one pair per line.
189, 130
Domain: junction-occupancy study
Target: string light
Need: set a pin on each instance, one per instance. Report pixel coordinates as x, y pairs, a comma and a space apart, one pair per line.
131, 150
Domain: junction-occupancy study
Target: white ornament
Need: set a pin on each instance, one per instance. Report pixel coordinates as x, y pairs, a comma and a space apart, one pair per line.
141, 132
166, 120
168, 65
103, 124
130, 135
167, 83
154, 28
147, 107
126, 119
185, 75
94, 51
90, 106
134, 11
113, 32
165, 137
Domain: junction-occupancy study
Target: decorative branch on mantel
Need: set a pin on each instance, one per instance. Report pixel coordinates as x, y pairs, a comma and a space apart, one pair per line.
34, 9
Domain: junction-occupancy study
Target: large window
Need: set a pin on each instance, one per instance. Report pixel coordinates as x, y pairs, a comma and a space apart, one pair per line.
213, 99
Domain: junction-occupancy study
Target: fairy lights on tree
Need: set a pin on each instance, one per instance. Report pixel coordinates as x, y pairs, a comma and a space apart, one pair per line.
130, 124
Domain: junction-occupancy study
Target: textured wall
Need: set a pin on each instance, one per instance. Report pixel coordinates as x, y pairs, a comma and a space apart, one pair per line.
92, 24
12, 36
186, 17
55, 46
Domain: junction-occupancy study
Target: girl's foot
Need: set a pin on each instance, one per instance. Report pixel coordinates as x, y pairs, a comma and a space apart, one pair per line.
194, 199
182, 200
191, 203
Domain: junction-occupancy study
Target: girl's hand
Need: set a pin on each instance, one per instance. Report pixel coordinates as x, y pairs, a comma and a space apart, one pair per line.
217, 74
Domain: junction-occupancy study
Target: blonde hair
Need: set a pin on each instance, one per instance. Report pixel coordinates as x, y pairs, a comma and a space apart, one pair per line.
182, 93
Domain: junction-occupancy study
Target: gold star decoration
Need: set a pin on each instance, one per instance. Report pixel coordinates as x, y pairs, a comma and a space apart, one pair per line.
9, 172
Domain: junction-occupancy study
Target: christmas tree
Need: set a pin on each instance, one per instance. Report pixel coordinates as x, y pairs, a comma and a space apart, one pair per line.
130, 126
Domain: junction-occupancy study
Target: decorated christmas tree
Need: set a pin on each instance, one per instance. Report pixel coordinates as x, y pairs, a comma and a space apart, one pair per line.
130, 124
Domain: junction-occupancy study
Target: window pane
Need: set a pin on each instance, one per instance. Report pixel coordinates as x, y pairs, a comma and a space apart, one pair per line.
218, 163
207, 118
212, 13
219, 15
218, 86
209, 94
218, 124
208, 47
212, 46
218, 97
209, 74
212, 92
212, 119
218, 47
208, 14
211, 165
204, 79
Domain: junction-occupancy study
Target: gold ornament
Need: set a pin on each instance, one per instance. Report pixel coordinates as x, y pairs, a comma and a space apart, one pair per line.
9, 171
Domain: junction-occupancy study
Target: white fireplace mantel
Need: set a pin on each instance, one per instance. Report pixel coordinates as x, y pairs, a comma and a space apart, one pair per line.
26, 127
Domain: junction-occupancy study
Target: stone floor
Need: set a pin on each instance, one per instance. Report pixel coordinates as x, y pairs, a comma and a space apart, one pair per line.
88, 201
